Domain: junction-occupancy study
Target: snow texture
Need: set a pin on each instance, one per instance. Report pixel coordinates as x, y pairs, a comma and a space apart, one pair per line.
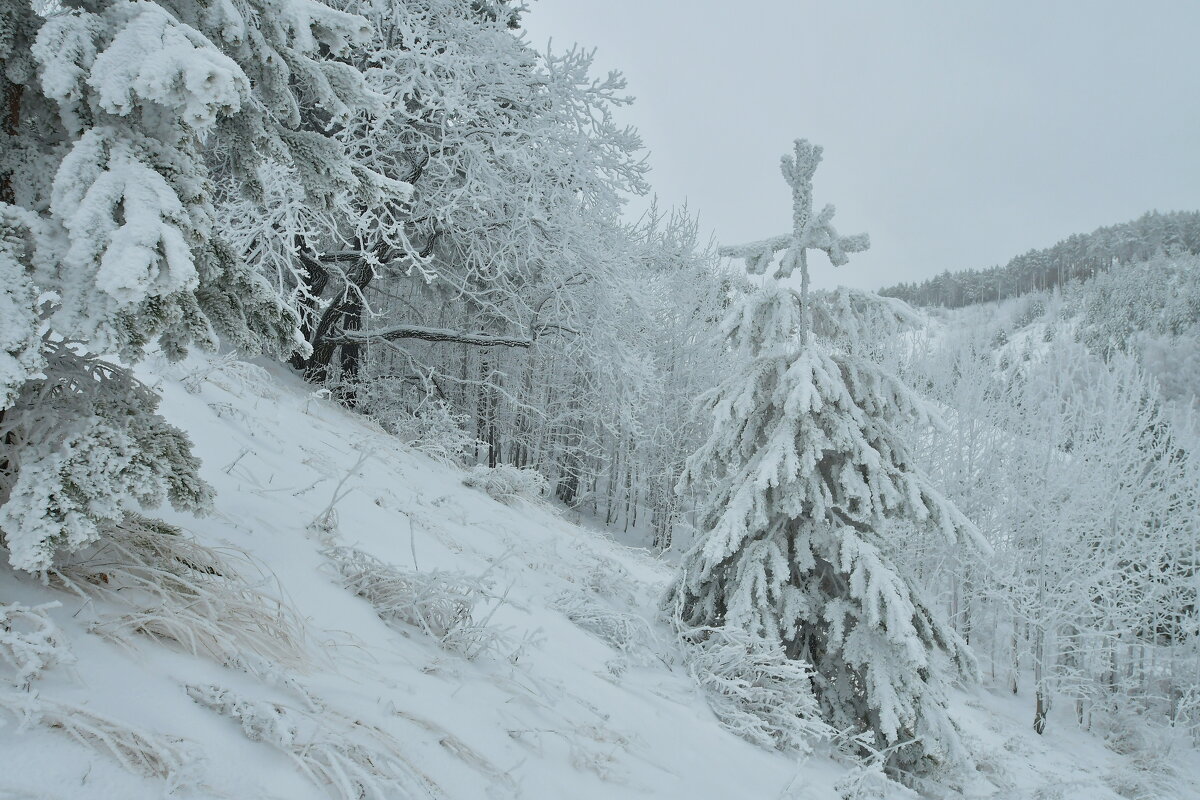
543, 717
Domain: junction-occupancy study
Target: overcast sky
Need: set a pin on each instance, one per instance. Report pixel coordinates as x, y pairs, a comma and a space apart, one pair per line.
956, 133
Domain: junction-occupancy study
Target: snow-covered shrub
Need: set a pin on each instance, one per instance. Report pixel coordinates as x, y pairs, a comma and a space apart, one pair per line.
440, 603
507, 483
428, 424
598, 573
350, 758
868, 781
1137, 783
30, 642
183, 592
141, 752
435, 429
755, 690
1150, 748
80, 447
628, 634
1185, 716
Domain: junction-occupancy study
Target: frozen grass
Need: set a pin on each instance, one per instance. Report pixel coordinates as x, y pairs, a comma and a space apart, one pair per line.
187, 594
30, 644
628, 634
508, 484
350, 759
143, 753
227, 372
441, 604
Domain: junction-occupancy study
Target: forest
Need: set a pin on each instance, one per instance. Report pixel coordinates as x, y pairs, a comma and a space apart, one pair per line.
855, 509
1076, 258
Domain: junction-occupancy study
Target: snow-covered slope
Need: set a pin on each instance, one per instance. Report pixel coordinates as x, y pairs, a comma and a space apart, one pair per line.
533, 706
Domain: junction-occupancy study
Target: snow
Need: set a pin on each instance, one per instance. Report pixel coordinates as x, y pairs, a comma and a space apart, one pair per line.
19, 356
555, 709
132, 256
557, 720
153, 58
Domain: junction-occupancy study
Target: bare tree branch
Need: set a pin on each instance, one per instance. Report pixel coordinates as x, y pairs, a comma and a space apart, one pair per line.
393, 332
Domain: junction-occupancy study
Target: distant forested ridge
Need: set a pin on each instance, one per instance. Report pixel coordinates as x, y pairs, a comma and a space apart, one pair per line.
1077, 257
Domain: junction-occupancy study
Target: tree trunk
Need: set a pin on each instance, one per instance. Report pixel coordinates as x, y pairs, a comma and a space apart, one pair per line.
351, 354
1015, 665
347, 309
1042, 703
10, 95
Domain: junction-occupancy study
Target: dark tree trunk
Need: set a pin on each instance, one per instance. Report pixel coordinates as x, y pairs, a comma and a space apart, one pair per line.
10, 121
351, 353
340, 315
1039, 714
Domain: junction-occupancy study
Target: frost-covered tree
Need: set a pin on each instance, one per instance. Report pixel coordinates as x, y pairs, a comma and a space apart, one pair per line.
120, 120
1071, 467
506, 293
812, 491
512, 158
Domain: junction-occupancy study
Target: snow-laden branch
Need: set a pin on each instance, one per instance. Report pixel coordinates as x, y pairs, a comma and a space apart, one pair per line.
757, 255
393, 332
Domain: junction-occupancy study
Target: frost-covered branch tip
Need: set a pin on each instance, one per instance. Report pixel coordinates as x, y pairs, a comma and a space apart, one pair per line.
809, 232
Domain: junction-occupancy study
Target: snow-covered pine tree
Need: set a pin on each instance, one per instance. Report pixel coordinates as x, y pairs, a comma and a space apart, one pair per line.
811, 491
117, 120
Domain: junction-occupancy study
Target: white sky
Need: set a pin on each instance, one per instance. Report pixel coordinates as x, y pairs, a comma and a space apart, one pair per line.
957, 133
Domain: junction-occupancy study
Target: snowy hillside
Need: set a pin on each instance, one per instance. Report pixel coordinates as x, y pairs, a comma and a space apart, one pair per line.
546, 709
562, 683
504, 488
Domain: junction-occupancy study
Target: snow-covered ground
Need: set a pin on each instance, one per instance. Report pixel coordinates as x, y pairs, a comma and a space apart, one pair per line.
547, 708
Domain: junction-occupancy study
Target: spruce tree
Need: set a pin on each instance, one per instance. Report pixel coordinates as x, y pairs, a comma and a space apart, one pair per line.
811, 492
